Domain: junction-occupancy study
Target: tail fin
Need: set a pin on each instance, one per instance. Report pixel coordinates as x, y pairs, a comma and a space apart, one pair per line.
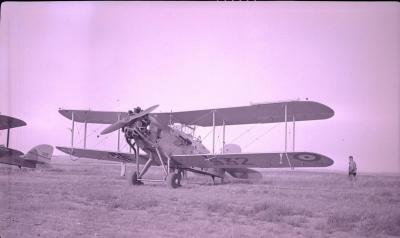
40, 154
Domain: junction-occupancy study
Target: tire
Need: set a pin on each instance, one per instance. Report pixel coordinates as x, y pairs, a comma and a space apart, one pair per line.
132, 179
174, 180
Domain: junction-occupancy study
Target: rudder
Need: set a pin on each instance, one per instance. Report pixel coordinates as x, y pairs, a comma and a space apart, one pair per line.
40, 154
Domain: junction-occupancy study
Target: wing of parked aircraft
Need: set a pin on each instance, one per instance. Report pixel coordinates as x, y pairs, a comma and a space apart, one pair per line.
254, 160
105, 155
156, 134
258, 113
7, 122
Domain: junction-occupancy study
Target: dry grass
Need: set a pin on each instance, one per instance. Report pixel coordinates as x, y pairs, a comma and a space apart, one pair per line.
93, 201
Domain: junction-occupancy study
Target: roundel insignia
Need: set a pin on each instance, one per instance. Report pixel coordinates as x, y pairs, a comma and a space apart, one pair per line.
307, 156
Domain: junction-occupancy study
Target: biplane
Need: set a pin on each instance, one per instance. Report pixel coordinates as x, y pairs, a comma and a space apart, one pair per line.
165, 143
40, 154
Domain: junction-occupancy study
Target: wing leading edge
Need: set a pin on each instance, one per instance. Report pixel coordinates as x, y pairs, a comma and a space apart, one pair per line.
254, 160
259, 113
105, 155
7, 122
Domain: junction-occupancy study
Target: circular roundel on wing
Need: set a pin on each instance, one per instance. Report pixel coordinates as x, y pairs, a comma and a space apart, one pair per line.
307, 156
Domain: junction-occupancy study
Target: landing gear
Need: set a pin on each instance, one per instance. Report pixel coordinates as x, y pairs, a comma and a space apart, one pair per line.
174, 180
213, 179
133, 179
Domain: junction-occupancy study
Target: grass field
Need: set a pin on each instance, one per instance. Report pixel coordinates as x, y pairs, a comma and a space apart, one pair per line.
87, 200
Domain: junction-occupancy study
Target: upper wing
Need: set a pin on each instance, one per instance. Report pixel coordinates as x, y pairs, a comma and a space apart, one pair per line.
7, 122
89, 116
259, 113
254, 160
105, 155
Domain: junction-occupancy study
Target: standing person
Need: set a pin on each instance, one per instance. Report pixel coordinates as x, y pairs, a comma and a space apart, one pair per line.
352, 168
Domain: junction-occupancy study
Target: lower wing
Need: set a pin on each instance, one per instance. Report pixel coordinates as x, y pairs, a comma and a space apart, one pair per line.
254, 160
105, 155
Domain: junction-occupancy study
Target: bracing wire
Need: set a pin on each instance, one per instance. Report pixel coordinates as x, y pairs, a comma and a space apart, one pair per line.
78, 134
93, 131
124, 146
207, 135
89, 135
104, 139
243, 133
218, 136
260, 136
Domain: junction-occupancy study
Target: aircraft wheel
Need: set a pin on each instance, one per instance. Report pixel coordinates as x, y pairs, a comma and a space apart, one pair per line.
174, 180
132, 179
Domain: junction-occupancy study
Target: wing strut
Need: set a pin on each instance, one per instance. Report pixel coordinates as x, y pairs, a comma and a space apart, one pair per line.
286, 122
8, 137
223, 136
119, 132
123, 164
294, 131
72, 131
72, 136
137, 159
285, 128
84, 135
213, 142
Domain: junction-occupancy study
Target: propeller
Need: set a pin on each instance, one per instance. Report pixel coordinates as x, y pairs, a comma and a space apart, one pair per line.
127, 120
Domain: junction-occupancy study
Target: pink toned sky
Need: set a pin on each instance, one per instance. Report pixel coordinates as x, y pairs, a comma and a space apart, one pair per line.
197, 55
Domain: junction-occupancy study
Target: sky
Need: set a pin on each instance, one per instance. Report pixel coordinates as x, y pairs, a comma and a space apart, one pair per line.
115, 56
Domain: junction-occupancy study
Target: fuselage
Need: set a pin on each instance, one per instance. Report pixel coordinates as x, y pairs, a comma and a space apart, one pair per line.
169, 140
176, 142
14, 157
